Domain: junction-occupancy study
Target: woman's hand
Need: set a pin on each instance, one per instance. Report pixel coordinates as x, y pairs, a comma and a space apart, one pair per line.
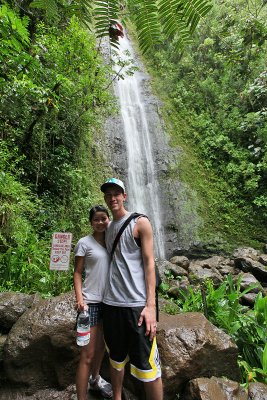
81, 306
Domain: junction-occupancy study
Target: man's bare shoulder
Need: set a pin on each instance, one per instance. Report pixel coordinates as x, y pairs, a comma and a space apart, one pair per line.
143, 223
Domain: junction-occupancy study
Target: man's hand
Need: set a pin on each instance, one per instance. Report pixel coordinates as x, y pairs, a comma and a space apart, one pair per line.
149, 315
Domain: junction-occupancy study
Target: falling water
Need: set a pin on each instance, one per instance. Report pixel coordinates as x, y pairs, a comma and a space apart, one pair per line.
142, 183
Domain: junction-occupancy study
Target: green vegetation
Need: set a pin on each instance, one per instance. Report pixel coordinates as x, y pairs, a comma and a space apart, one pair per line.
247, 327
53, 103
54, 100
214, 98
151, 17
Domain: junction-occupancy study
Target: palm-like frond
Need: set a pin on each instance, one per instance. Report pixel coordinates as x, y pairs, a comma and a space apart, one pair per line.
194, 10
106, 13
49, 6
14, 35
181, 17
172, 17
148, 27
82, 9
173, 21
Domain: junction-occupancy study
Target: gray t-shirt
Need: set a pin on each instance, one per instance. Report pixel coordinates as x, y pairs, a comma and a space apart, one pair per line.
126, 279
96, 265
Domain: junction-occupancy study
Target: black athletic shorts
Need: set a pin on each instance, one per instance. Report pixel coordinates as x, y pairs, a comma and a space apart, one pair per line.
126, 341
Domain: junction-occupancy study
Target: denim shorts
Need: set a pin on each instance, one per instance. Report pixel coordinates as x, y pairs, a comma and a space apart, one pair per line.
95, 312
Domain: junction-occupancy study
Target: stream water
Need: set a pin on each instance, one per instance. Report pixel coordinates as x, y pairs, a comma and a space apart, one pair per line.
142, 183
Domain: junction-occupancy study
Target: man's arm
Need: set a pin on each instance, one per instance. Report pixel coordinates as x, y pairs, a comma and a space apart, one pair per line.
144, 232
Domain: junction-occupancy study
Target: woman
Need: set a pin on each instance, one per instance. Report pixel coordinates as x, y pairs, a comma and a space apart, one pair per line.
92, 258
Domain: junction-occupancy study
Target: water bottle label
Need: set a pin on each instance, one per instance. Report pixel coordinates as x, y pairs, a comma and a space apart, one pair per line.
83, 329
83, 333
82, 338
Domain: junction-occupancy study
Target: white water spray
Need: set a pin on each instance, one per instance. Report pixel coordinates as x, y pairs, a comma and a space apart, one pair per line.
142, 184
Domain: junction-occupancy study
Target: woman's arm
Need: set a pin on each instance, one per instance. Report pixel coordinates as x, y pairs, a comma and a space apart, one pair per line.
77, 279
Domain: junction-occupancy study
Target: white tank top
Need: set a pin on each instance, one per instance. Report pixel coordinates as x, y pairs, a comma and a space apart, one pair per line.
126, 282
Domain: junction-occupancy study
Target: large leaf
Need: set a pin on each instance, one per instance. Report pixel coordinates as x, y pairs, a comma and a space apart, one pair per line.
264, 359
14, 34
171, 17
194, 10
49, 6
148, 27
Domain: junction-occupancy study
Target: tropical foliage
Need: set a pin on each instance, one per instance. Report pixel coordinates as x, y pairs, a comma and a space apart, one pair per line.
54, 98
223, 307
52, 103
173, 17
216, 104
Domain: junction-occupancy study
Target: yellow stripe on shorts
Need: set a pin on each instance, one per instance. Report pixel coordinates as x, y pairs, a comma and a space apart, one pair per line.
154, 372
119, 365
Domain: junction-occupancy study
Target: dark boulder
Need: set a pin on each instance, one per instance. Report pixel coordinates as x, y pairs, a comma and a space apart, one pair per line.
190, 347
214, 389
40, 350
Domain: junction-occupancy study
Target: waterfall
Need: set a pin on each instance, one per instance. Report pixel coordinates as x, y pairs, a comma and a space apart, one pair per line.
142, 184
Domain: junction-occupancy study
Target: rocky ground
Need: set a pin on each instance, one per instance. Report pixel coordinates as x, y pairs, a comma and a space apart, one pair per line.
45, 394
52, 394
38, 350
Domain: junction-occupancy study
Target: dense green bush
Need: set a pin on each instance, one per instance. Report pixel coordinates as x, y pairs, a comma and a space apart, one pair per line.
53, 102
215, 96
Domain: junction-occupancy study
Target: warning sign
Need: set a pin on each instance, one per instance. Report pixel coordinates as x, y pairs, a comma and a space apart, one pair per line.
60, 252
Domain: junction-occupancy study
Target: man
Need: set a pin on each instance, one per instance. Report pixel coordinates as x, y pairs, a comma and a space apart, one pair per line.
129, 299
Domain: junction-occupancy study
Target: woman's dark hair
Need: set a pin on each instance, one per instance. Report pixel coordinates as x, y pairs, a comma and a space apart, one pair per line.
96, 209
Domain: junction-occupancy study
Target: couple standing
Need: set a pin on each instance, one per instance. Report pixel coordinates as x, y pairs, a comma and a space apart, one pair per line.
126, 285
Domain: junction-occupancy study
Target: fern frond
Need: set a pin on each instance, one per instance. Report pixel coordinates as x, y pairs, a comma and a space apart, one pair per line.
180, 17
106, 14
194, 10
175, 17
14, 35
173, 20
148, 27
49, 6
83, 11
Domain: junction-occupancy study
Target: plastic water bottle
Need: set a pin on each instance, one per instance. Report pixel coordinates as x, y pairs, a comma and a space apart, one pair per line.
83, 328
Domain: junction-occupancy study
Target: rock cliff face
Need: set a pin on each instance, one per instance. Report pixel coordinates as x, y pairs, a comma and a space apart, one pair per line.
177, 202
